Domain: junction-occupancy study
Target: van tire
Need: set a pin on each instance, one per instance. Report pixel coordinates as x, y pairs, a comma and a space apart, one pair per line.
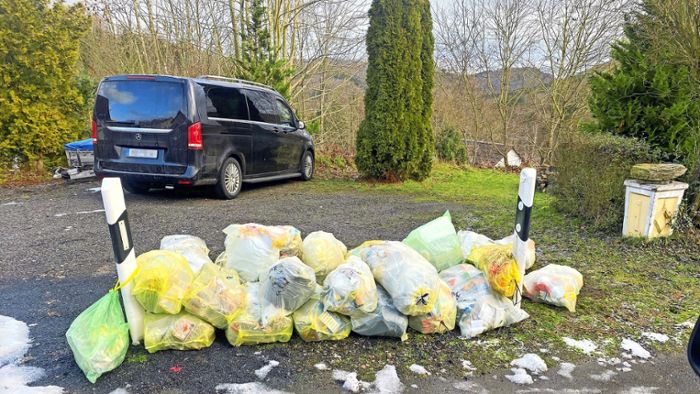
135, 188
307, 166
230, 179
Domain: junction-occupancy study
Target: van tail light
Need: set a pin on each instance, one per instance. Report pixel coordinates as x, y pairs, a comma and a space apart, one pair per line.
194, 137
94, 132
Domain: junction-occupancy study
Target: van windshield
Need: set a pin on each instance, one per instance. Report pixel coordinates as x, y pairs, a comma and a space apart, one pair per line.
140, 103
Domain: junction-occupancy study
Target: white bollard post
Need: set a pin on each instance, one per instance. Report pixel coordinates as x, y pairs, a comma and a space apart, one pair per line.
526, 195
122, 244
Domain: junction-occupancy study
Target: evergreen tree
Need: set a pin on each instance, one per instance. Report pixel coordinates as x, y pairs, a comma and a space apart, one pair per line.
393, 138
428, 77
259, 61
42, 104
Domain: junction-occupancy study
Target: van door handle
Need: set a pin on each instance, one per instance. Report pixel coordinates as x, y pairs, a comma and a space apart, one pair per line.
276, 129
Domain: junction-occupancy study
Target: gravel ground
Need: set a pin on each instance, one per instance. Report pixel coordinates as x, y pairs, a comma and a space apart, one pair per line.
56, 260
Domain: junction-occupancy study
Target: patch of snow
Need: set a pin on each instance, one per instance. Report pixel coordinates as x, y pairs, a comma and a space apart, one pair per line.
10, 203
685, 324
14, 340
565, 370
415, 386
419, 369
58, 215
350, 381
86, 212
584, 390
531, 362
387, 381
246, 388
466, 364
94, 189
543, 377
585, 345
606, 376
321, 366
470, 387
655, 336
639, 390
543, 350
555, 358
121, 390
262, 372
519, 376
634, 348
257, 353
624, 369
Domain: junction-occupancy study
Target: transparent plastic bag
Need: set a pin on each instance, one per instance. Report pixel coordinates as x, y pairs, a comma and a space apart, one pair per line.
314, 323
408, 277
385, 321
442, 318
554, 284
260, 322
437, 241
161, 281
192, 248
178, 332
350, 288
215, 295
252, 248
478, 308
288, 284
323, 252
531, 254
501, 269
99, 337
470, 239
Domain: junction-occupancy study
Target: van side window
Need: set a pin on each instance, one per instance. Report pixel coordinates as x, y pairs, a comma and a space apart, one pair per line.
262, 106
227, 103
285, 114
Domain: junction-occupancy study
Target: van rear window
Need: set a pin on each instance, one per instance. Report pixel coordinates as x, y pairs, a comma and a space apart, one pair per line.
140, 103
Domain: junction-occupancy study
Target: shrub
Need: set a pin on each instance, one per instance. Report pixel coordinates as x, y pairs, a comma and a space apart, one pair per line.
590, 174
450, 146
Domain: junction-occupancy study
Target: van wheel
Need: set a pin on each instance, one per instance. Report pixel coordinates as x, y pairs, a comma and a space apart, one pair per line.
307, 166
135, 188
230, 179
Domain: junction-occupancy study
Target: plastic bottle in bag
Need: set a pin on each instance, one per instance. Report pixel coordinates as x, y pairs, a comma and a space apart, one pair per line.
178, 332
384, 321
499, 265
192, 248
161, 280
260, 322
442, 318
215, 295
314, 323
554, 284
350, 288
288, 284
411, 281
99, 337
478, 308
437, 241
323, 252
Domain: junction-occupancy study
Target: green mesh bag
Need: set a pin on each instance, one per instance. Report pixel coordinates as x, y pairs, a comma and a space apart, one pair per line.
99, 337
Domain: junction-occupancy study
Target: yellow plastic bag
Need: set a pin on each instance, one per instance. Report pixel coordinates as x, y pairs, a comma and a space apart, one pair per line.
323, 252
215, 295
499, 266
350, 288
314, 323
554, 284
442, 318
180, 332
161, 281
260, 322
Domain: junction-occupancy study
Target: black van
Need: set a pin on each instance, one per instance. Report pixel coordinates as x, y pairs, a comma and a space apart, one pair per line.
164, 131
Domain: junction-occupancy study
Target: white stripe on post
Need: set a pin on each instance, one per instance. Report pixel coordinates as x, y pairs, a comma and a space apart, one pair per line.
526, 195
122, 244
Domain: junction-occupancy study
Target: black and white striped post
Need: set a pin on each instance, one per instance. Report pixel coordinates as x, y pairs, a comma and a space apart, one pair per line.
123, 246
526, 195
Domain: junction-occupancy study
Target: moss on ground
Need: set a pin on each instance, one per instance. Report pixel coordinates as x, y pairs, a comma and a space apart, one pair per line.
630, 286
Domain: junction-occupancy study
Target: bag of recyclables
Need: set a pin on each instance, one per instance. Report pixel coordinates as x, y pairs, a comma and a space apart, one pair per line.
288, 284
437, 241
161, 281
252, 248
350, 288
554, 284
179, 332
314, 323
469, 240
99, 337
442, 318
260, 322
499, 266
215, 295
192, 248
323, 252
384, 321
478, 308
411, 281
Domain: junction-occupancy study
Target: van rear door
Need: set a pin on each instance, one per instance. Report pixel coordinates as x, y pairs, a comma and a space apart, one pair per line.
142, 124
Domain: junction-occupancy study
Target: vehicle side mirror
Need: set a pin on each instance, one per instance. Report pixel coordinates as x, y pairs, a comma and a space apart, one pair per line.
301, 125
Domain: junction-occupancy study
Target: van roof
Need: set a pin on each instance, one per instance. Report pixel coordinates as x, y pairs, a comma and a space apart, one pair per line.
204, 79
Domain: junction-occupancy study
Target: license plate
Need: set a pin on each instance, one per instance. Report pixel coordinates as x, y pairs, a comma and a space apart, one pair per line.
142, 153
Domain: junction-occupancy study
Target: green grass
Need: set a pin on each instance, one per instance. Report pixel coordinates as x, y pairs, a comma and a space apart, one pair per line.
629, 286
